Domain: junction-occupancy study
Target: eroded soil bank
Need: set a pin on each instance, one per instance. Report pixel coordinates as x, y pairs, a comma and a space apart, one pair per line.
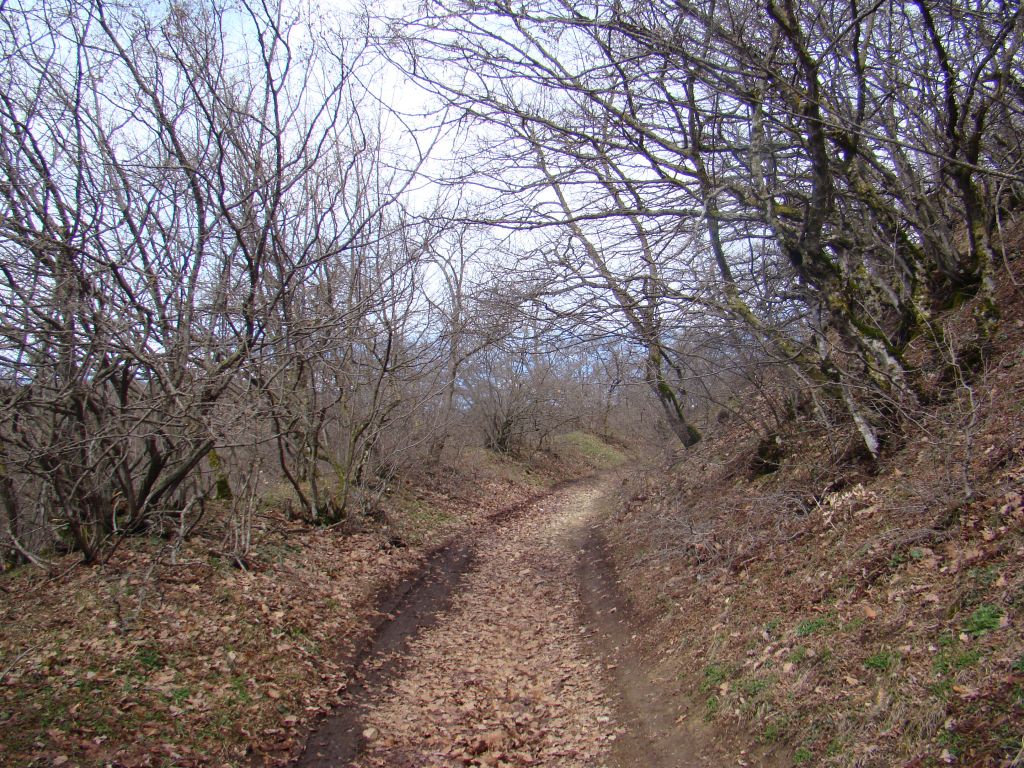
662, 721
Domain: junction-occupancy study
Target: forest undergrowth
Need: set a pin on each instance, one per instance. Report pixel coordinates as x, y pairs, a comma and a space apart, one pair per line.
175, 653
864, 614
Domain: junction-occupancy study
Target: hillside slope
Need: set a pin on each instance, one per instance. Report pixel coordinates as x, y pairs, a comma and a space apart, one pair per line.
179, 653
864, 615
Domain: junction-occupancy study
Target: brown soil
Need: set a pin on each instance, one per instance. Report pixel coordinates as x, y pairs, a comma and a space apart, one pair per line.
412, 607
663, 725
501, 676
533, 661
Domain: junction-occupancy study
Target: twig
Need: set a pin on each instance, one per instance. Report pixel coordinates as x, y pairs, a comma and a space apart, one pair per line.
10, 667
39, 562
1018, 761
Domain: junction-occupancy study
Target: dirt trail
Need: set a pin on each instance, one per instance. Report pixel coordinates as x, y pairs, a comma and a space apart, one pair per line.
414, 608
518, 653
650, 708
663, 726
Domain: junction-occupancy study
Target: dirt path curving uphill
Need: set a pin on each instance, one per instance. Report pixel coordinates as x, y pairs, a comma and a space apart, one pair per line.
517, 652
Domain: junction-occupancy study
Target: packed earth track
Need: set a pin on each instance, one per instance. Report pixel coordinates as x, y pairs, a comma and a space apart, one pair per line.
484, 663
514, 651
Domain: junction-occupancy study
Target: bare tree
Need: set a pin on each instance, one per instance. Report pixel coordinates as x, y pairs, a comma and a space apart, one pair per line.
159, 202
782, 144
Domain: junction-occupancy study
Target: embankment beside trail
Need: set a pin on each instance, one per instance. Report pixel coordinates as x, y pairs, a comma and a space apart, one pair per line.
653, 706
867, 615
172, 654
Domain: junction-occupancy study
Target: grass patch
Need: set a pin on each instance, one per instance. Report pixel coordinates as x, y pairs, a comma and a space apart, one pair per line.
149, 657
941, 689
180, 695
752, 686
590, 448
797, 655
240, 691
835, 747
853, 624
714, 676
813, 626
952, 741
802, 755
984, 619
985, 576
882, 661
774, 731
276, 552
414, 518
503, 466
966, 660
711, 707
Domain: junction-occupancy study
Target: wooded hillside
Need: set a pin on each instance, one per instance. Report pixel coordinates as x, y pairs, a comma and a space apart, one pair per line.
278, 261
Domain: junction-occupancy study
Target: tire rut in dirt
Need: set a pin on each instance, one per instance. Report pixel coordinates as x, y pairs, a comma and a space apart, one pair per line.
644, 708
411, 609
504, 677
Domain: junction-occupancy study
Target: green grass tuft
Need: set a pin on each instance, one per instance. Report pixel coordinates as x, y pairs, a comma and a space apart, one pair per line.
882, 661
802, 755
714, 676
984, 619
591, 448
812, 626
